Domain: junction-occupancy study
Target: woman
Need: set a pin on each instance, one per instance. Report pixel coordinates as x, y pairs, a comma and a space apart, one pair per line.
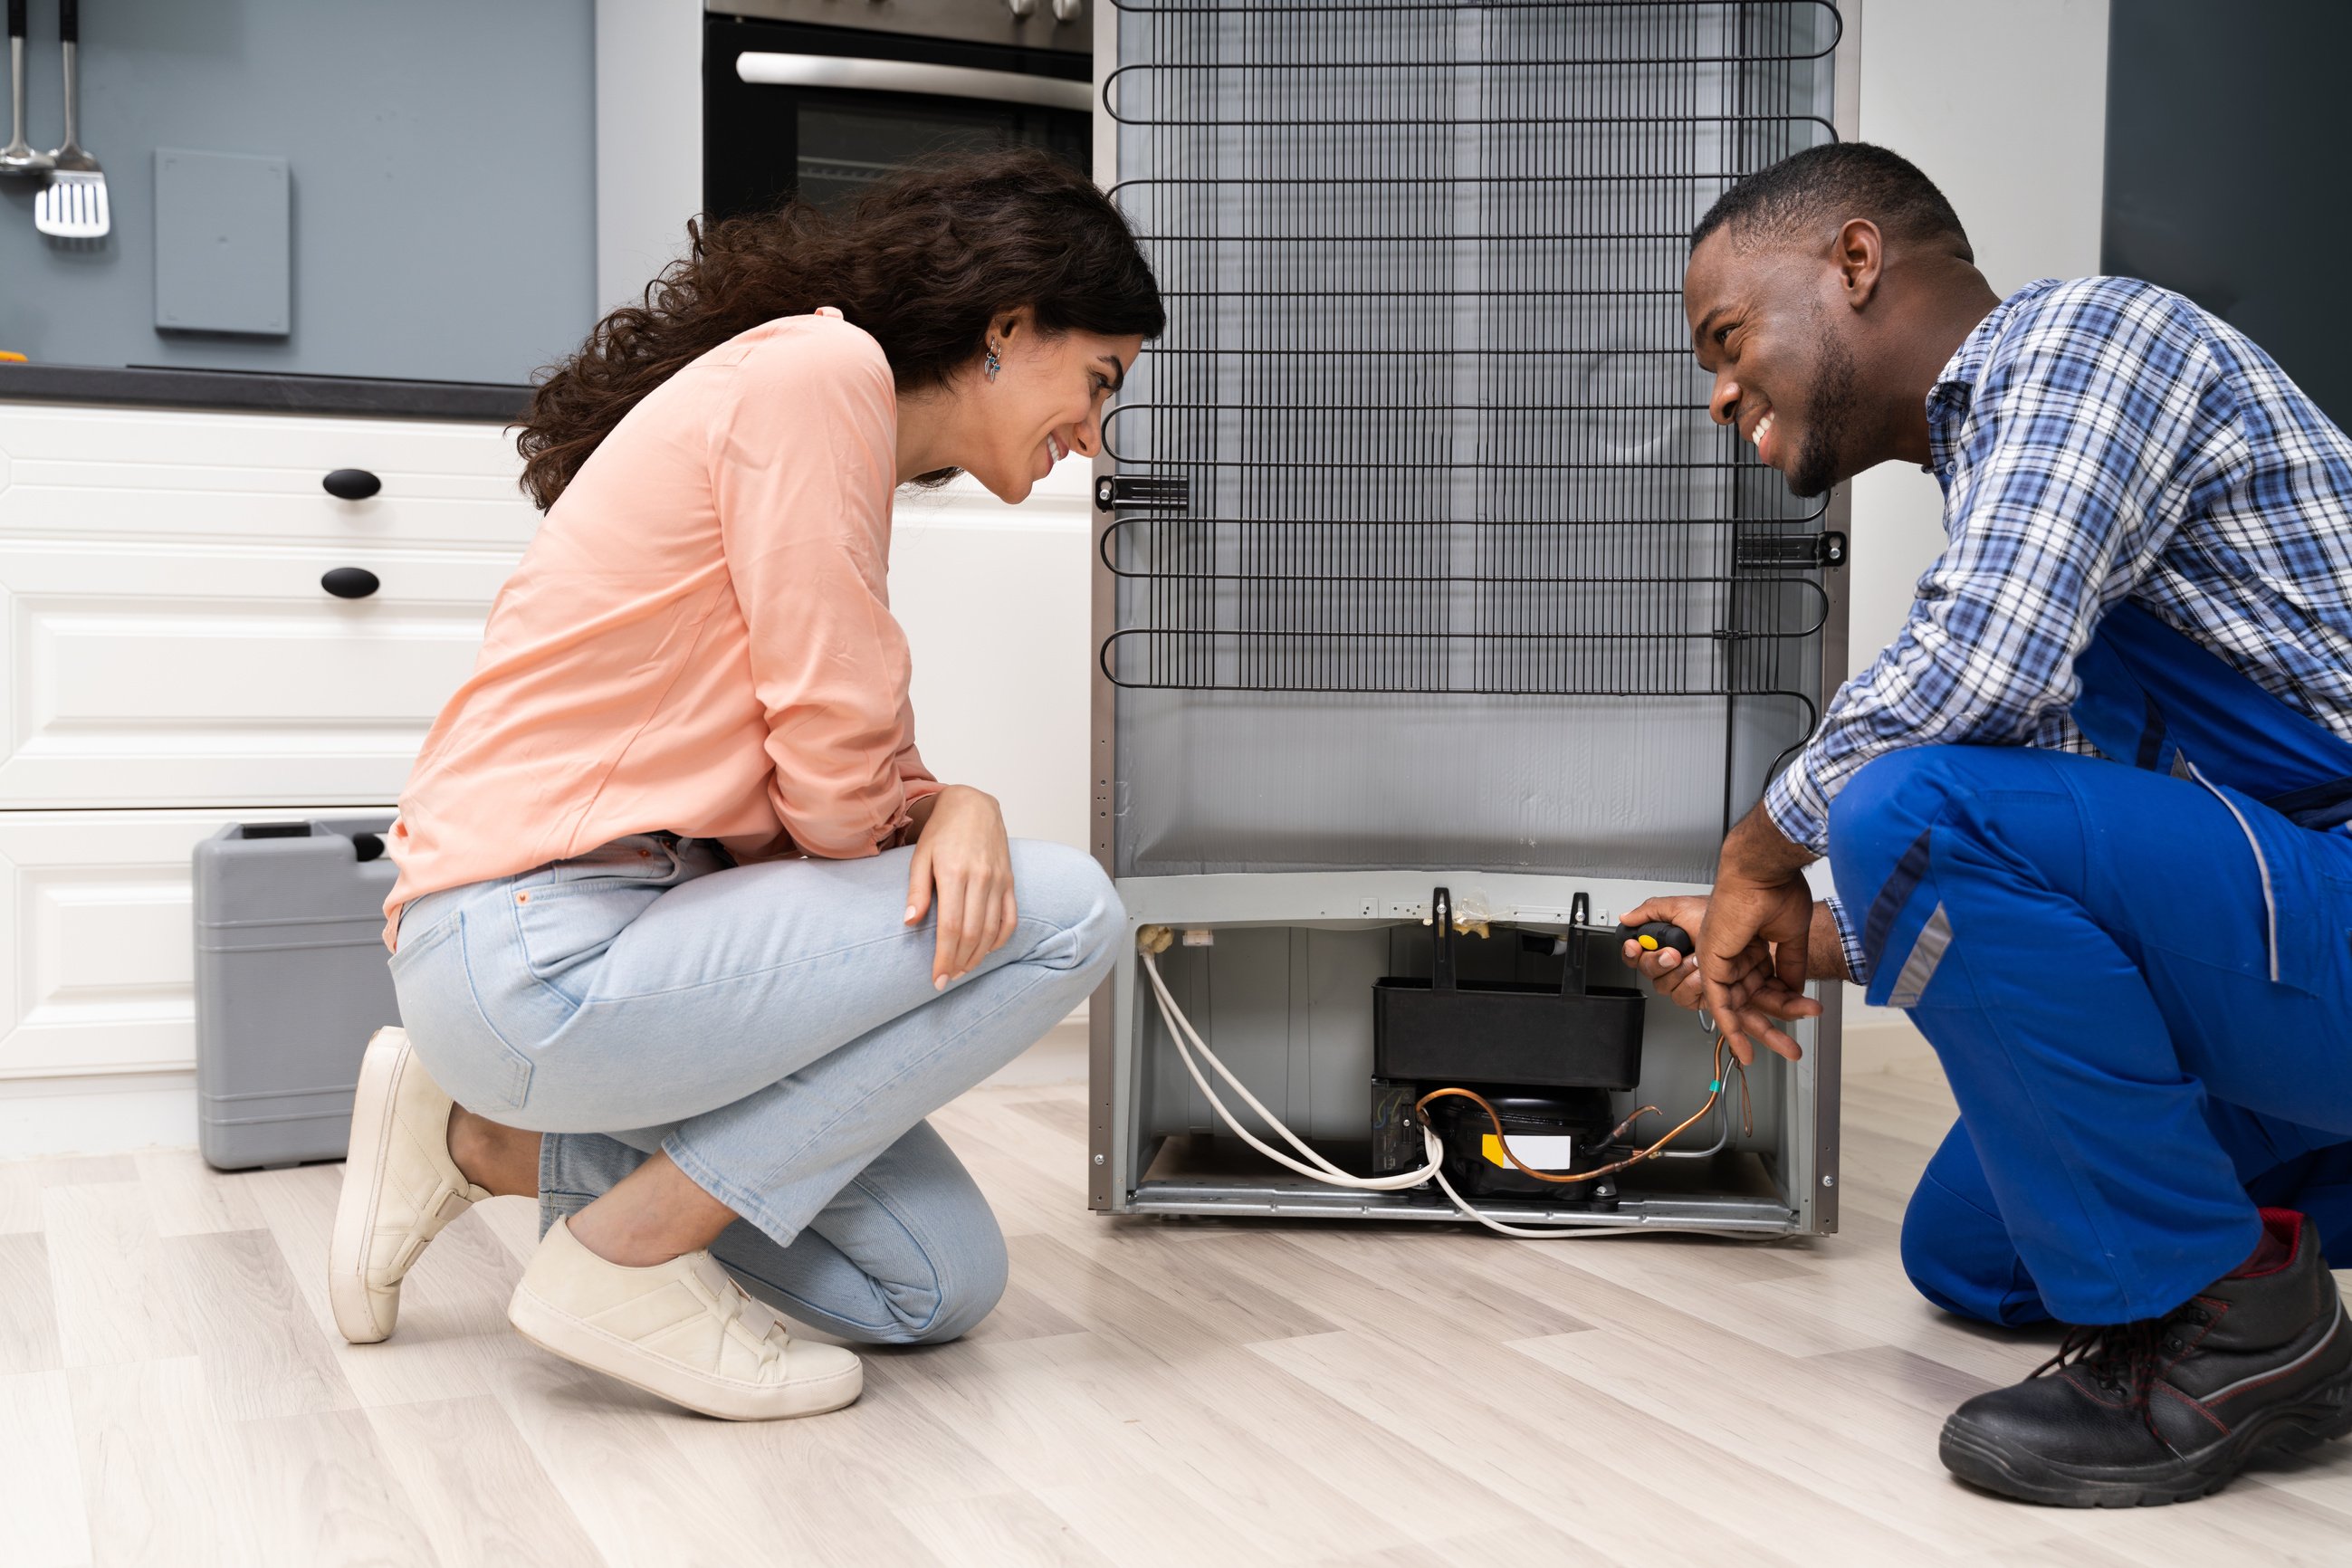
683, 924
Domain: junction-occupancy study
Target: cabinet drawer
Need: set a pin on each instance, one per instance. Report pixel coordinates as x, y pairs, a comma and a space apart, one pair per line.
147, 675
136, 473
95, 912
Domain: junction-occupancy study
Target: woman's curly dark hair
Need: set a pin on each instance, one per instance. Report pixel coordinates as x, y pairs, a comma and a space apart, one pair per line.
923, 261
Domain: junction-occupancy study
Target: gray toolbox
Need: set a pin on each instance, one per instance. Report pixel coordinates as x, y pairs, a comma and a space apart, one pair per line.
290, 982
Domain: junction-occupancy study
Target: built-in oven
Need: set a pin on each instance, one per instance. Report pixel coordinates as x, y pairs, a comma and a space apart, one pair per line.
819, 98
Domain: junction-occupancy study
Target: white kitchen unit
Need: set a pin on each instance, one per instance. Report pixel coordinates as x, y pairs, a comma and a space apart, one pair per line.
94, 907
171, 662
995, 600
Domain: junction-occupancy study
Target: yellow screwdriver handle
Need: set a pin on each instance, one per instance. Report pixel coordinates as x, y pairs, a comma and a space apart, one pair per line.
1654, 934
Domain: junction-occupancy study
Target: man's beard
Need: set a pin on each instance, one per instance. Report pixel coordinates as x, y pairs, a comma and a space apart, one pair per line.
1828, 412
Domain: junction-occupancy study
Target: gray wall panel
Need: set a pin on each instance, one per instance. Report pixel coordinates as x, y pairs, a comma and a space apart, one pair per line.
444, 199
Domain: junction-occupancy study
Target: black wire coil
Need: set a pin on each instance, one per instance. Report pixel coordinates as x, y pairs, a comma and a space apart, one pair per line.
1426, 371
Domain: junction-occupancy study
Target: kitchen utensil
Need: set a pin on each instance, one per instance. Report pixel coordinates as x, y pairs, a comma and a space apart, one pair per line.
17, 157
72, 206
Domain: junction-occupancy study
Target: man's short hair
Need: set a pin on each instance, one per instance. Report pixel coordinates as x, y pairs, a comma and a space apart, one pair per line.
1810, 191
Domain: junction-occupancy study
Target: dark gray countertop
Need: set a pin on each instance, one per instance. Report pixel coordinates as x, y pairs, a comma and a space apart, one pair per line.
154, 387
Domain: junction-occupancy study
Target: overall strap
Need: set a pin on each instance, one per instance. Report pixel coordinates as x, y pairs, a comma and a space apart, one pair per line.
2157, 700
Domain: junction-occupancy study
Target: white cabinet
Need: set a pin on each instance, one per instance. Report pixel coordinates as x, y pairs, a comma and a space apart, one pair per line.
996, 601
187, 675
95, 915
170, 661
216, 479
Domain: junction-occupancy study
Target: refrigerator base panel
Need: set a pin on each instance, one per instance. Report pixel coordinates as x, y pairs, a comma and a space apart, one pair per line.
1276, 973
1732, 1195
1238, 1198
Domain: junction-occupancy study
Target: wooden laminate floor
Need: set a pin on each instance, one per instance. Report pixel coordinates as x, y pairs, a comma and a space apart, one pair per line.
172, 1392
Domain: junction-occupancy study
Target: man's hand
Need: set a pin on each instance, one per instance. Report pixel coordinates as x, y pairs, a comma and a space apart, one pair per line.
962, 857
1668, 972
1676, 977
1759, 896
1749, 990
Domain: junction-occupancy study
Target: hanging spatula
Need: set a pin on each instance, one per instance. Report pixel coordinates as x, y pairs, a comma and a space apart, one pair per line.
17, 157
72, 206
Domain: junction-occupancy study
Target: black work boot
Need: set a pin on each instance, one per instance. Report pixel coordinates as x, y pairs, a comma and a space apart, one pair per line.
2169, 1408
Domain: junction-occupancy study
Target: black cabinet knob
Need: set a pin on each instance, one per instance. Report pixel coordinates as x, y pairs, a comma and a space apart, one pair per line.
351, 582
351, 484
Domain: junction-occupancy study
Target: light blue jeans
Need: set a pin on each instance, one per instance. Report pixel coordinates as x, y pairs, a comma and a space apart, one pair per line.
773, 1028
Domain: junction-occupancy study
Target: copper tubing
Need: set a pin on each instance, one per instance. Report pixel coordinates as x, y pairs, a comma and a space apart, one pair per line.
1503, 1141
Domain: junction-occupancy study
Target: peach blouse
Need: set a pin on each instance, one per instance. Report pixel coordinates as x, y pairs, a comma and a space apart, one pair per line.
700, 638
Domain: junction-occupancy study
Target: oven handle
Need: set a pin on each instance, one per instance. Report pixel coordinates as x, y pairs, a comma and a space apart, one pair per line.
766, 70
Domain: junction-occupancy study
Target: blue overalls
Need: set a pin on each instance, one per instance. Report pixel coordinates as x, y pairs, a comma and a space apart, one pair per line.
2138, 979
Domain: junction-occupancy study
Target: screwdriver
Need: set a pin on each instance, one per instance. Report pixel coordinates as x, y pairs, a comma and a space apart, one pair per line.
1652, 935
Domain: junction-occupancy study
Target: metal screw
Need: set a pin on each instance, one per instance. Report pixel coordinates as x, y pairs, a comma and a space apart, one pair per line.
1098, 1159
1829, 1180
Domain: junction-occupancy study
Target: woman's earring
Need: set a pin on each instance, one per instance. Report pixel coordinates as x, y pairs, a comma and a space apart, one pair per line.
994, 363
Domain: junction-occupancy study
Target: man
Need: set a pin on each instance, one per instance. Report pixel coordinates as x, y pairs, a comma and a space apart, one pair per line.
2085, 816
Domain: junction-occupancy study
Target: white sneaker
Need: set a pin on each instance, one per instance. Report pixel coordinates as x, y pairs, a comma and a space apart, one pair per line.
400, 1187
684, 1330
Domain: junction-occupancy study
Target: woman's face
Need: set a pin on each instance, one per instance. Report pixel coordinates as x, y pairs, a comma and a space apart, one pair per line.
1045, 403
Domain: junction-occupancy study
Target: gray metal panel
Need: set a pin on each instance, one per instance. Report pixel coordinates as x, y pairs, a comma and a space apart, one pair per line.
1796, 1104
1336, 994
1144, 1095
1280, 1196
1824, 1113
1490, 590
446, 152
1102, 728
1289, 1011
1221, 782
223, 243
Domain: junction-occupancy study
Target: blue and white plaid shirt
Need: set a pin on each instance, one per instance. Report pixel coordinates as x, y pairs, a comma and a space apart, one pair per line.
2098, 440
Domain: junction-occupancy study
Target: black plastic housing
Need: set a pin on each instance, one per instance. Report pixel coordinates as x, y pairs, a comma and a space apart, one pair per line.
1507, 1032
1444, 1031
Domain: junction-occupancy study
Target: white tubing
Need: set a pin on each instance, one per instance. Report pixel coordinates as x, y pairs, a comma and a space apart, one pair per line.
1188, 1039
1561, 1230
1323, 1170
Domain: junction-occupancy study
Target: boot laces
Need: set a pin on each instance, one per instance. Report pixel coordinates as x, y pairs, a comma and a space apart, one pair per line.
2126, 1359
2121, 1358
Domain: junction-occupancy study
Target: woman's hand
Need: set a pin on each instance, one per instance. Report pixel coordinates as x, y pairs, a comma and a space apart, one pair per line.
964, 864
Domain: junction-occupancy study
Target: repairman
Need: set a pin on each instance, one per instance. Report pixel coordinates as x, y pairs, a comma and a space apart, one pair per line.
2086, 818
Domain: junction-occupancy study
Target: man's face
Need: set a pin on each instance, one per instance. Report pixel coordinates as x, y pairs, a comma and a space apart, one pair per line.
1761, 323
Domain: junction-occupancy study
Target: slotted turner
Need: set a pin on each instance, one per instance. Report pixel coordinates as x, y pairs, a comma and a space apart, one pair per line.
72, 206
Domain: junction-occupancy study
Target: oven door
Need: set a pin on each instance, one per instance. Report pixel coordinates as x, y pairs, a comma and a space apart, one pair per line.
821, 113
